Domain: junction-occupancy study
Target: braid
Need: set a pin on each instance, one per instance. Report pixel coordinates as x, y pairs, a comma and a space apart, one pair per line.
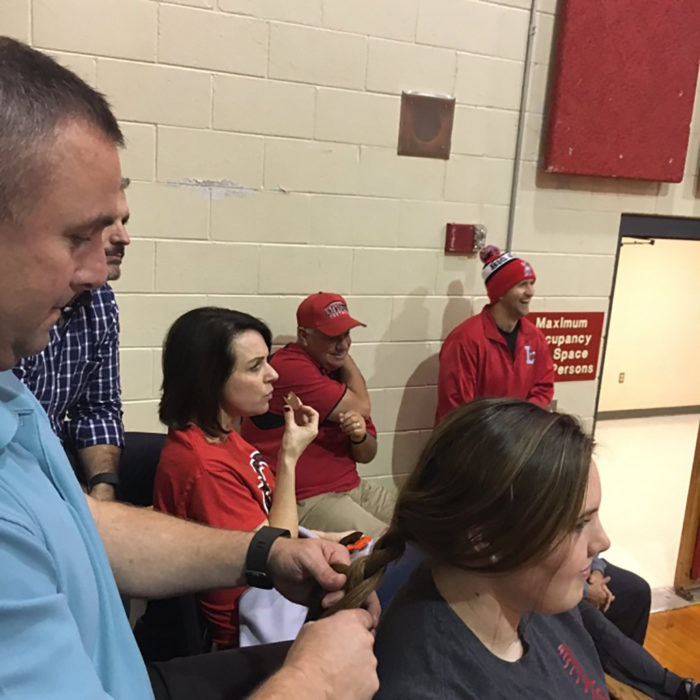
365, 573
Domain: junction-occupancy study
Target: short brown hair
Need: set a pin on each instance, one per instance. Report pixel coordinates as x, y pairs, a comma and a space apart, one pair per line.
37, 96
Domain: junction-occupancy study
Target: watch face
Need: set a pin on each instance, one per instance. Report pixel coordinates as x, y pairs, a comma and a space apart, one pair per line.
258, 579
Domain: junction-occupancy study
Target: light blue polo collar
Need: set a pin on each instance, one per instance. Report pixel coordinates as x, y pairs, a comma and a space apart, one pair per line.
9, 420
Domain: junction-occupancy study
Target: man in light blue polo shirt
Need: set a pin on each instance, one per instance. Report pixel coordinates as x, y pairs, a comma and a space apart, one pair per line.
62, 555
48, 596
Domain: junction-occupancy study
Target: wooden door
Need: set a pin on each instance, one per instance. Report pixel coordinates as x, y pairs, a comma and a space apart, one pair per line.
688, 565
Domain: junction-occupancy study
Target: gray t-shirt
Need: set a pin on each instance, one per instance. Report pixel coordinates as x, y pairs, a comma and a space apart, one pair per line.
426, 652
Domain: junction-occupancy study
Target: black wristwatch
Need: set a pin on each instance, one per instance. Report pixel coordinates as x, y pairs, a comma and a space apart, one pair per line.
103, 478
256, 573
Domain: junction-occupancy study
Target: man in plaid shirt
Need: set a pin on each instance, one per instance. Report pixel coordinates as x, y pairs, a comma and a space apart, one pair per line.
76, 378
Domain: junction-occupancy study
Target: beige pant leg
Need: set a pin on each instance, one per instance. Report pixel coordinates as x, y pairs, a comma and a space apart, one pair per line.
336, 512
374, 499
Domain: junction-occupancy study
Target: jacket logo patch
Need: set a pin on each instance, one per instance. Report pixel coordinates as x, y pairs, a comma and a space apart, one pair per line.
529, 355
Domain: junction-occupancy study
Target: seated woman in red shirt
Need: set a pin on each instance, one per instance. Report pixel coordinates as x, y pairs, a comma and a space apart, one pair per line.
215, 371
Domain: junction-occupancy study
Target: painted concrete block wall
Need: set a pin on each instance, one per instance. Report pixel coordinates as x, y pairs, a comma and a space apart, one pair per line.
262, 150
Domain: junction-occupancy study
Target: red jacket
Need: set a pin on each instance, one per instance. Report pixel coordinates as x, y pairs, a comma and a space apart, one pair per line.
475, 362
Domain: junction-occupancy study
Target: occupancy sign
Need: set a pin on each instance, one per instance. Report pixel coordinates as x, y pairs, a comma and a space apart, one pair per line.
574, 342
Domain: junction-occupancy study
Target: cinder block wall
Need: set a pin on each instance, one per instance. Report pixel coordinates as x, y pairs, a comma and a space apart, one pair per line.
262, 149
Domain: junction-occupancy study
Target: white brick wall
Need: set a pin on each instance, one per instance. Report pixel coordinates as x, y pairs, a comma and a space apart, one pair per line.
474, 26
213, 41
394, 19
356, 117
139, 156
484, 132
143, 92
258, 106
192, 154
309, 166
138, 272
317, 56
119, 28
84, 66
261, 142
485, 81
478, 179
274, 217
299, 11
212, 268
354, 221
15, 18
168, 212
299, 269
394, 66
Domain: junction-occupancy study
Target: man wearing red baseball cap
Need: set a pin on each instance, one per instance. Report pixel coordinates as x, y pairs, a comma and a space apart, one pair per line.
498, 352
319, 370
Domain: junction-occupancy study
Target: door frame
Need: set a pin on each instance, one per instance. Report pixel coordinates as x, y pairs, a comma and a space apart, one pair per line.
646, 227
690, 532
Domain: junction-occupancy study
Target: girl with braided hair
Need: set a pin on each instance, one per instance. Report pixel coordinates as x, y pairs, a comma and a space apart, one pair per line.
504, 504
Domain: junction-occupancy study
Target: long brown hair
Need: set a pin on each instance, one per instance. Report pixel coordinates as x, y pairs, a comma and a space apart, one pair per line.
499, 484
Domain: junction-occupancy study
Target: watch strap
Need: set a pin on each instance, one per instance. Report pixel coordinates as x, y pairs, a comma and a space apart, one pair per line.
256, 572
102, 478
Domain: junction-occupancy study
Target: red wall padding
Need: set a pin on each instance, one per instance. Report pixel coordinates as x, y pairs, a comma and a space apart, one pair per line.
624, 81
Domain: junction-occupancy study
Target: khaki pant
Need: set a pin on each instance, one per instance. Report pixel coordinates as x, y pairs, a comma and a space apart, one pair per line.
367, 508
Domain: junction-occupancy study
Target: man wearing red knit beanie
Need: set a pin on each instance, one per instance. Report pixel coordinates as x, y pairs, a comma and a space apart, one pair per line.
497, 352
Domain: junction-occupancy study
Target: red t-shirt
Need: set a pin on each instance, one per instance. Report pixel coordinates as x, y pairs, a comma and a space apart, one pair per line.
327, 464
227, 485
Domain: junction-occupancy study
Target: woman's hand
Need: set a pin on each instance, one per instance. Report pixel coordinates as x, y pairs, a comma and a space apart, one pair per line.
300, 430
353, 425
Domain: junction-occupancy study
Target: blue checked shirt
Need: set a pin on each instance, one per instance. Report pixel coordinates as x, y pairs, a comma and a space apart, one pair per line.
76, 378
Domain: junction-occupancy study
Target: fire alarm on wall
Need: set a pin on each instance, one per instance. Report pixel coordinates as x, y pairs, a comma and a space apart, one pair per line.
464, 239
